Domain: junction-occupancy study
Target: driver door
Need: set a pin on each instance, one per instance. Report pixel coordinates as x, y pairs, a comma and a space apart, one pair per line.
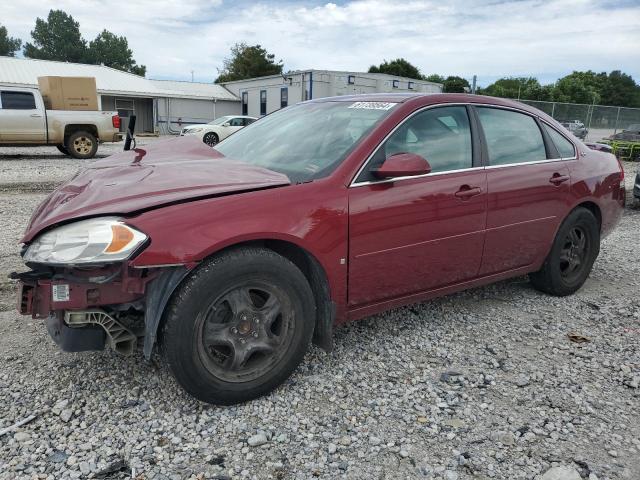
414, 234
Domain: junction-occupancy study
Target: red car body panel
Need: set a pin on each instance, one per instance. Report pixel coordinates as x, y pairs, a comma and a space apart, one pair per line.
380, 245
168, 171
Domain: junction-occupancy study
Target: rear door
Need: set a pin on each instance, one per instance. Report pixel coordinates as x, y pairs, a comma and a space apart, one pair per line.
21, 118
528, 187
413, 234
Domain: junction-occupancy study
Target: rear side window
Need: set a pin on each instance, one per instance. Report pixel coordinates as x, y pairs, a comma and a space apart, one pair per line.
441, 135
17, 101
565, 147
512, 137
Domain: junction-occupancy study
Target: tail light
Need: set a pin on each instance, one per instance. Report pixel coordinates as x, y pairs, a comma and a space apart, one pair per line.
115, 120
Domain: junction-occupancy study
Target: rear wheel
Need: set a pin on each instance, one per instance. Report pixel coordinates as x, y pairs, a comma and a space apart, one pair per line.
82, 144
572, 255
210, 139
239, 326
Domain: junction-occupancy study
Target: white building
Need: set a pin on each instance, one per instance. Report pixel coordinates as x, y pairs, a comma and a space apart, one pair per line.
263, 95
160, 106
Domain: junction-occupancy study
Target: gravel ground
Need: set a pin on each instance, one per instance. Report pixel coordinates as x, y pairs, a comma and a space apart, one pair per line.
481, 384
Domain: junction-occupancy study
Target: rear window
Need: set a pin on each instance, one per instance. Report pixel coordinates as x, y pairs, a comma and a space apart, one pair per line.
565, 147
512, 137
17, 101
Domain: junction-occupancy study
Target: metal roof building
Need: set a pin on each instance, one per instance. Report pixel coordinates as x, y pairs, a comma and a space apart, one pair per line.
160, 106
263, 95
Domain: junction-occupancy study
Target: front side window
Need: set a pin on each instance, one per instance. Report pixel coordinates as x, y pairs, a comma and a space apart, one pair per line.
565, 147
440, 135
305, 141
512, 137
17, 101
263, 102
237, 122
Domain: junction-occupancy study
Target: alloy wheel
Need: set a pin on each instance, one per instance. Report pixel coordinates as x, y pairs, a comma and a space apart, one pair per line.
83, 145
211, 139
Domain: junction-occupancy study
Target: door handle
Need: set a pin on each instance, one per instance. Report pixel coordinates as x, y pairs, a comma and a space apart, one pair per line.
36, 115
557, 179
467, 192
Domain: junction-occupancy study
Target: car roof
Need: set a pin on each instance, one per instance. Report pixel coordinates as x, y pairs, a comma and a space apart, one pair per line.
429, 99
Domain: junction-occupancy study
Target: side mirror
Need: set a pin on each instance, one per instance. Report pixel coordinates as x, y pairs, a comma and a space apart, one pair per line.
403, 165
226, 124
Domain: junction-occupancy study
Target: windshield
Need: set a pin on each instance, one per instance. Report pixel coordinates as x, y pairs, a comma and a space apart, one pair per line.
220, 121
305, 141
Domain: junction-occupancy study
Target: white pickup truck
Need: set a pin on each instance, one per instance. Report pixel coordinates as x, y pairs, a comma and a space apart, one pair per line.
24, 121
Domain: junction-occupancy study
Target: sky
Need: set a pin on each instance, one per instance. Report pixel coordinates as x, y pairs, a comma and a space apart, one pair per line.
488, 38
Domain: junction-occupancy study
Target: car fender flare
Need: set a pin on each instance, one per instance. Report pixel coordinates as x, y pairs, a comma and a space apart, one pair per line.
159, 292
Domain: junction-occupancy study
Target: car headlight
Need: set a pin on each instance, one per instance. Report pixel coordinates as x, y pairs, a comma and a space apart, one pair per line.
97, 240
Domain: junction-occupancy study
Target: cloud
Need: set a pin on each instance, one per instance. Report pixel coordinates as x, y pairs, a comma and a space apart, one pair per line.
488, 38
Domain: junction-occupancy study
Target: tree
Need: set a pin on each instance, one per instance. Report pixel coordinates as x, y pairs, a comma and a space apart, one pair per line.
113, 51
527, 88
453, 84
57, 38
8, 45
434, 77
620, 90
399, 67
574, 89
248, 61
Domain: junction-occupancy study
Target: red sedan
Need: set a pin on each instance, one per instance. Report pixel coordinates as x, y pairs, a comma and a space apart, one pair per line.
234, 259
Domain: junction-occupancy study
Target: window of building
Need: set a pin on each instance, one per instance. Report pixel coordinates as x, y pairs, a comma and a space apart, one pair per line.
263, 102
512, 137
410, 85
396, 83
245, 103
284, 97
17, 101
351, 79
565, 147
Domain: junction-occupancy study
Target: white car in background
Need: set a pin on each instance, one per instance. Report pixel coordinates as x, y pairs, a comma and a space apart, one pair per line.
213, 132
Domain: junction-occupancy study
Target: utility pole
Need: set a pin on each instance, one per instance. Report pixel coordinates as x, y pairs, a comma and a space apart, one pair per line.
191, 76
473, 84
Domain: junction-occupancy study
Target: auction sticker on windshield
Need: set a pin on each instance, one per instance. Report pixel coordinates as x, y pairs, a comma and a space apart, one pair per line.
373, 105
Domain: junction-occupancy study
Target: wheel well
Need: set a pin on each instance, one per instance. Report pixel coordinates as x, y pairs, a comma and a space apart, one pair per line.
315, 275
595, 209
71, 129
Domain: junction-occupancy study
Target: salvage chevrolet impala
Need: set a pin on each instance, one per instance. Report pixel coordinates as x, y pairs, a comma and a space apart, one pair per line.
234, 259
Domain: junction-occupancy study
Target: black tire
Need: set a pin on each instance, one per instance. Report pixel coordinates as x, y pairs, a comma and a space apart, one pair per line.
567, 266
202, 330
211, 139
62, 149
82, 145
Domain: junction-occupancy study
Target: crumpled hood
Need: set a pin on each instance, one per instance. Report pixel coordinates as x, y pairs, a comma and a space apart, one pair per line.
164, 172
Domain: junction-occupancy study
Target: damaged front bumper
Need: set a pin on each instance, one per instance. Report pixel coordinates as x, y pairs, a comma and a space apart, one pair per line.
87, 309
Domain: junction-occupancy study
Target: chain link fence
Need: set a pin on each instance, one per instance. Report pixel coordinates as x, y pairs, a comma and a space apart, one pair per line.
600, 120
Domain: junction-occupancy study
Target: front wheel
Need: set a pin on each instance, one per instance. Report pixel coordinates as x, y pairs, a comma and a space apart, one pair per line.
572, 255
82, 145
210, 139
62, 149
238, 326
